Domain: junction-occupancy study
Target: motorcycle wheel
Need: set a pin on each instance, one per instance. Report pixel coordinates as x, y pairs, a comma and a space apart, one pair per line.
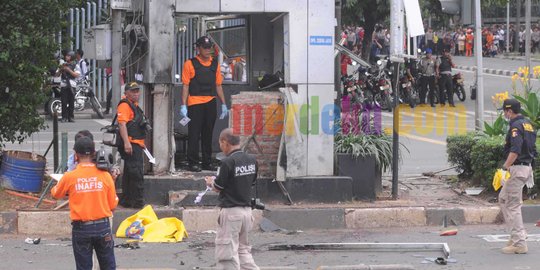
411, 99
460, 92
96, 106
55, 105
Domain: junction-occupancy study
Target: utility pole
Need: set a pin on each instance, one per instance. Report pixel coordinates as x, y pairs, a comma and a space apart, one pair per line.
116, 56
337, 62
479, 111
507, 43
397, 23
528, 36
518, 25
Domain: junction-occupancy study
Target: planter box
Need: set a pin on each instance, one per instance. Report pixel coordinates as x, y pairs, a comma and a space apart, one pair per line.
366, 176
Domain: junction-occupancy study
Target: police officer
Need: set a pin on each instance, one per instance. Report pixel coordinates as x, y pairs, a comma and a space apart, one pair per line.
69, 72
428, 69
444, 73
201, 79
520, 150
92, 198
236, 176
133, 127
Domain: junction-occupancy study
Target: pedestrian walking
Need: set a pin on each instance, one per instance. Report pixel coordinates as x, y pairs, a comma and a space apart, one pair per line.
201, 78
92, 198
133, 127
237, 174
520, 151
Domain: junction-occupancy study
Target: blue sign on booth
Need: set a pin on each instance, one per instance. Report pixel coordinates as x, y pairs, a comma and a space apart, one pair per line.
320, 40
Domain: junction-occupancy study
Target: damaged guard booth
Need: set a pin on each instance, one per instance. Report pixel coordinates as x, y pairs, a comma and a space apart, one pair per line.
290, 128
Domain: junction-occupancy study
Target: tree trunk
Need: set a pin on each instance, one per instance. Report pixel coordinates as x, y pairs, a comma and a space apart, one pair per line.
369, 27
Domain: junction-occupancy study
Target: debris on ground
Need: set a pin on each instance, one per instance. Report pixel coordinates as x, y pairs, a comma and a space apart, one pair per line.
128, 245
34, 241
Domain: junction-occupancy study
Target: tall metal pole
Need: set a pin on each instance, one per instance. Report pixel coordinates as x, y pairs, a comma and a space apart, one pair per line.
528, 35
116, 56
55, 141
397, 32
337, 64
507, 43
518, 26
479, 112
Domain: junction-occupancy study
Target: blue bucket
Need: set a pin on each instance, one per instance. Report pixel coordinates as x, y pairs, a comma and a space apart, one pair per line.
22, 171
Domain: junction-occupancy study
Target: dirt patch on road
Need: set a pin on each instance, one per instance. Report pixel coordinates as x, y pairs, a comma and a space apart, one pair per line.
13, 200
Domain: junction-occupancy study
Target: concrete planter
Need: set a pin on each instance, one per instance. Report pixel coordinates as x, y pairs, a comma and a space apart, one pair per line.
366, 175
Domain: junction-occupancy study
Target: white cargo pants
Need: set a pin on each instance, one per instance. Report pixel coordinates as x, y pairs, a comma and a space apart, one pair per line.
233, 251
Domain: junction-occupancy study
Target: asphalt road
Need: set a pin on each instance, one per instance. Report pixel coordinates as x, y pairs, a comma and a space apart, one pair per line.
466, 248
426, 139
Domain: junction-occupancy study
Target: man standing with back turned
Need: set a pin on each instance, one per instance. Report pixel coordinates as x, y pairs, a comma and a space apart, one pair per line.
520, 150
201, 78
92, 198
236, 176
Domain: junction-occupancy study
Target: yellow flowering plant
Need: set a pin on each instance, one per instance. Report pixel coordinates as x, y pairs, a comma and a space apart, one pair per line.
499, 126
530, 103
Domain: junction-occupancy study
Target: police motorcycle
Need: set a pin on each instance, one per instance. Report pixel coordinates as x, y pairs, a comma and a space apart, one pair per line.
382, 90
84, 93
407, 93
459, 86
52, 89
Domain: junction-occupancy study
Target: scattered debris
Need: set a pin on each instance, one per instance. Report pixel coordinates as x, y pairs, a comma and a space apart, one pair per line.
209, 232
26, 196
34, 241
448, 230
474, 191
128, 245
431, 174
269, 226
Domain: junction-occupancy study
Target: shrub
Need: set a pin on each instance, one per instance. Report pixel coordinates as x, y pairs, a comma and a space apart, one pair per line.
486, 156
458, 149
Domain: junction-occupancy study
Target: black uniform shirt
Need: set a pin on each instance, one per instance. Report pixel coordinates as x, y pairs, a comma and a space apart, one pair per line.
236, 175
520, 139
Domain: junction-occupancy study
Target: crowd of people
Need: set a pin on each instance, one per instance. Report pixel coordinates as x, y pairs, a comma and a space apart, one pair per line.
458, 41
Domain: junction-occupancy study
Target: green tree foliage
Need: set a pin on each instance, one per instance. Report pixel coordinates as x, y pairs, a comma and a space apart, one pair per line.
27, 46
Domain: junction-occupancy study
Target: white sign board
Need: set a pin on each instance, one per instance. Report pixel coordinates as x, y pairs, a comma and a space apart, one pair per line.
121, 4
414, 18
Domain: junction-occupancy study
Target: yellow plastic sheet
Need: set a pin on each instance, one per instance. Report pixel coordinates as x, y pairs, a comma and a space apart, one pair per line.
498, 178
162, 230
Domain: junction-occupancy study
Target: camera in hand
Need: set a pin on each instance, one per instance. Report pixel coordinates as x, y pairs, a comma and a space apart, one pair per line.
104, 160
257, 204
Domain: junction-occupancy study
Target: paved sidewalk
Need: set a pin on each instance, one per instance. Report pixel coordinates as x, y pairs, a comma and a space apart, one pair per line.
423, 202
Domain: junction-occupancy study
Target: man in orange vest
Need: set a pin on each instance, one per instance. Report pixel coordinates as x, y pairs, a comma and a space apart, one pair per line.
201, 78
92, 198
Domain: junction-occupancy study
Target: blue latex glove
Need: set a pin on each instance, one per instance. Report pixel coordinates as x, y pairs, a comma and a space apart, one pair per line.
224, 111
183, 110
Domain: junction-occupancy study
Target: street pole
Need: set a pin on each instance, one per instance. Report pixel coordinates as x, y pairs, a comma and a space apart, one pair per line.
507, 43
116, 57
479, 111
528, 36
397, 31
518, 26
337, 63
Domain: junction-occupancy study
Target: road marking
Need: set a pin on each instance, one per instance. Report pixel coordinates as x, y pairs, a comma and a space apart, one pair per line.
423, 139
103, 122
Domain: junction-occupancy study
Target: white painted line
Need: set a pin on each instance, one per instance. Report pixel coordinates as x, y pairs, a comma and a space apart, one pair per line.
103, 122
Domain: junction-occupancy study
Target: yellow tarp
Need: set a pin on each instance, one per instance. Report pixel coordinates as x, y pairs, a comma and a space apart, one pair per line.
162, 230
498, 178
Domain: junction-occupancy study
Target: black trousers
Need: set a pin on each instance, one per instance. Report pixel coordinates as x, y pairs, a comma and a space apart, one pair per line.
68, 102
427, 87
203, 117
133, 177
445, 84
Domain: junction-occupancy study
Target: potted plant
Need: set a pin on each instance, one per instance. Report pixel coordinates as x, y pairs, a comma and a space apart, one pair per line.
364, 157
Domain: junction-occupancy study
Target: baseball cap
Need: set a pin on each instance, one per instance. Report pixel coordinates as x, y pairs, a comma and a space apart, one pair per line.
512, 104
428, 50
204, 42
132, 86
84, 146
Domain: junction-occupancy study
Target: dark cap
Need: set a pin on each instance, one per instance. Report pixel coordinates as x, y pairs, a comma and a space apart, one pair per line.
204, 42
84, 146
512, 104
132, 86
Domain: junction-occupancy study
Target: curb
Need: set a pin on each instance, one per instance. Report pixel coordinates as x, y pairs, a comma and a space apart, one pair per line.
204, 219
493, 71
